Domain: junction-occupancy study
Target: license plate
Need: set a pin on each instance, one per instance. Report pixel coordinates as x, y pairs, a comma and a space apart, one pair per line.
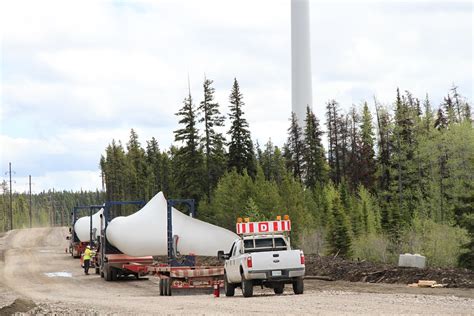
276, 273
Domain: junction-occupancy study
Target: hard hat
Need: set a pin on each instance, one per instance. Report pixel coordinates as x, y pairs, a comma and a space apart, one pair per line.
88, 247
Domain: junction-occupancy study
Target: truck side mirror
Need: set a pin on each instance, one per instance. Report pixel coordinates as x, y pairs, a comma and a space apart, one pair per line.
221, 256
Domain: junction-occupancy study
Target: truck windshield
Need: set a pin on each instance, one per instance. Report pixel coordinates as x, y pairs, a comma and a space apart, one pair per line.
264, 244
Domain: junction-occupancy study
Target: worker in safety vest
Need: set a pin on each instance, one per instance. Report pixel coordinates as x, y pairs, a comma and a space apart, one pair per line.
87, 259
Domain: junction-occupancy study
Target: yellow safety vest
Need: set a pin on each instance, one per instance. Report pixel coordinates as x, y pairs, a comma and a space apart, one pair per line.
87, 254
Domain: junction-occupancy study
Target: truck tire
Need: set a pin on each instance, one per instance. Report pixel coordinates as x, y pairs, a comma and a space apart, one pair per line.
247, 287
298, 286
229, 288
279, 288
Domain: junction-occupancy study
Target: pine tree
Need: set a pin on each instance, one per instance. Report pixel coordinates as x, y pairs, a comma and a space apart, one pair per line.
241, 154
137, 173
212, 140
450, 110
441, 120
339, 236
354, 172
296, 148
367, 166
314, 156
333, 123
154, 163
428, 121
188, 159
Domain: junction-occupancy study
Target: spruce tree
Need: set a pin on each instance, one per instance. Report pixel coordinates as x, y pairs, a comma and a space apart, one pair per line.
212, 140
339, 235
334, 123
367, 166
441, 120
241, 152
188, 159
428, 121
153, 158
314, 156
137, 171
296, 148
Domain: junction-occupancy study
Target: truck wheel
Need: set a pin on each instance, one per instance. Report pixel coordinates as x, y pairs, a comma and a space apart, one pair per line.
279, 288
229, 288
247, 287
298, 286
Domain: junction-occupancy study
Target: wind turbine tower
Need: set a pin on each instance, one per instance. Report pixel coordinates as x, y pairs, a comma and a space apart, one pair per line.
301, 83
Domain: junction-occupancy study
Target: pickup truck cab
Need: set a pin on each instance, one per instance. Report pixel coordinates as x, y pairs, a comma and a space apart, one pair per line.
264, 259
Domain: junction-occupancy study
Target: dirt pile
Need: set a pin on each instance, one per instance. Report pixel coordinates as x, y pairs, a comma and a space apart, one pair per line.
354, 271
20, 305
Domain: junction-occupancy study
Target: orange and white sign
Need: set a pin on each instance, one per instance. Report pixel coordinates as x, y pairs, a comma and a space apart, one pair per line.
263, 227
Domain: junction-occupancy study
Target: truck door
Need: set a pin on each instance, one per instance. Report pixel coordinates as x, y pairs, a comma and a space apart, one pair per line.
234, 263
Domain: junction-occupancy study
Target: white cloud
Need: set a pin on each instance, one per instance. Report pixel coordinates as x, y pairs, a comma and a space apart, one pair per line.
74, 75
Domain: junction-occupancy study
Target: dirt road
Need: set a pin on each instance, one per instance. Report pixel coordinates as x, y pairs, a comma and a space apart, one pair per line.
34, 266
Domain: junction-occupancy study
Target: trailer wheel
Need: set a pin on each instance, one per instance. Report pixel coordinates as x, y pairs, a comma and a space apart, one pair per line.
279, 288
161, 287
114, 274
107, 273
247, 287
167, 286
229, 288
298, 286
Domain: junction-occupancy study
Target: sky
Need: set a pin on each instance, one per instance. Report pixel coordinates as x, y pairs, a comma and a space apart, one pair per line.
76, 74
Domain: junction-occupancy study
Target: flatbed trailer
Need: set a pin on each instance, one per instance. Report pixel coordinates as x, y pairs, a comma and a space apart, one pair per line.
177, 273
200, 277
116, 265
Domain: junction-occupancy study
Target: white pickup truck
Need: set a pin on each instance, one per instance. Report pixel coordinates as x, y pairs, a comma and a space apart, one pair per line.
263, 259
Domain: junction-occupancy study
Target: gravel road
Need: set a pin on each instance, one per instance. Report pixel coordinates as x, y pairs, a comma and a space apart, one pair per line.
37, 273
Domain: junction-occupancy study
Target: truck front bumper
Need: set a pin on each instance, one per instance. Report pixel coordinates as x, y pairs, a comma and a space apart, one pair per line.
274, 275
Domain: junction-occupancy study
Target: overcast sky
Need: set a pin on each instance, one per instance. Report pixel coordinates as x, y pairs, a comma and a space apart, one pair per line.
76, 74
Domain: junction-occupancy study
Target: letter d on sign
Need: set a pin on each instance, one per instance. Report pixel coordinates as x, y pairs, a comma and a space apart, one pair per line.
262, 227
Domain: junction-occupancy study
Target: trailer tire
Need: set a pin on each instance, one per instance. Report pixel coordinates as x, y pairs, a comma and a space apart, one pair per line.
114, 274
247, 287
229, 288
107, 274
161, 287
167, 286
279, 288
298, 286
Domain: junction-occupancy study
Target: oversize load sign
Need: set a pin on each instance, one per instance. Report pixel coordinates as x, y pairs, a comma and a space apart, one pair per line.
263, 227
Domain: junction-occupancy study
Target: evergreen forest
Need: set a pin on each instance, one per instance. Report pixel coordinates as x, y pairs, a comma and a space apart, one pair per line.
379, 179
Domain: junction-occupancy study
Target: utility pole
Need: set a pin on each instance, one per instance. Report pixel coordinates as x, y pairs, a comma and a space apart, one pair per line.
11, 196
31, 219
